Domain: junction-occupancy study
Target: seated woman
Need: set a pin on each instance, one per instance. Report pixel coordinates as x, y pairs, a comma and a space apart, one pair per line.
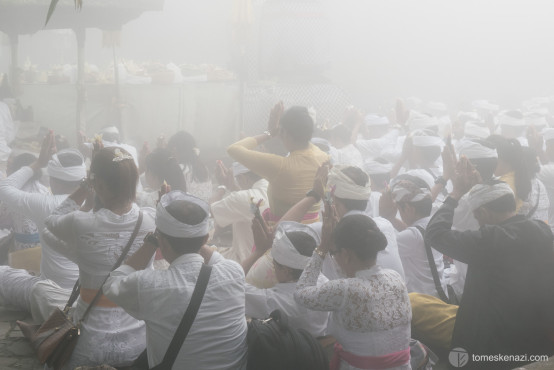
370, 308
291, 249
95, 241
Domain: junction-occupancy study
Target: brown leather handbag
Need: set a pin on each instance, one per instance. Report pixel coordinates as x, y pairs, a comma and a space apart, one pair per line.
55, 340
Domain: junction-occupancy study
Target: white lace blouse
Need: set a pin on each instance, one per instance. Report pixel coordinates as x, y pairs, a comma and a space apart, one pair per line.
370, 313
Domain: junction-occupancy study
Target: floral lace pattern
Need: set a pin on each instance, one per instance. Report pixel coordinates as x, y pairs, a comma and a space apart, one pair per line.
374, 300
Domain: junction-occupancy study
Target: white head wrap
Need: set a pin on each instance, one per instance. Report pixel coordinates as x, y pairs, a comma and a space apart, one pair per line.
475, 130
421, 139
284, 252
169, 225
437, 108
407, 191
548, 134
482, 194
508, 119
345, 188
376, 168
73, 173
239, 169
319, 141
485, 105
418, 120
423, 175
537, 120
464, 117
375, 120
474, 150
109, 130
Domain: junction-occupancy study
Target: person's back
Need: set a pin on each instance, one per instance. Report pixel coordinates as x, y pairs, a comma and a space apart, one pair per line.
507, 285
217, 339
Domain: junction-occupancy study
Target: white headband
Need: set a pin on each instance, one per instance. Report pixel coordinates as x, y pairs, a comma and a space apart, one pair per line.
284, 252
537, 120
418, 120
485, 105
345, 188
239, 169
508, 120
376, 168
73, 173
109, 130
423, 175
474, 150
410, 194
426, 141
475, 130
482, 194
168, 225
375, 120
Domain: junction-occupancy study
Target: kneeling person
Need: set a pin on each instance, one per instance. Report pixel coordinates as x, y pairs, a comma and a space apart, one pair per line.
217, 339
291, 249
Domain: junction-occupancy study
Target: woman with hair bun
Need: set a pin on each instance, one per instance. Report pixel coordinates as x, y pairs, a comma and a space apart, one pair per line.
370, 308
95, 239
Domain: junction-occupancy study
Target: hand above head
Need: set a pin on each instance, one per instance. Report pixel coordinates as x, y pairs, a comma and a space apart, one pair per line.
387, 206
320, 180
449, 161
225, 176
274, 117
47, 149
535, 139
263, 237
330, 220
164, 189
466, 176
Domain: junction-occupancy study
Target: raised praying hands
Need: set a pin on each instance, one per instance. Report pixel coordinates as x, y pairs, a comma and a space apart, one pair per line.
449, 160
320, 180
387, 206
225, 176
263, 236
330, 220
465, 177
47, 149
274, 117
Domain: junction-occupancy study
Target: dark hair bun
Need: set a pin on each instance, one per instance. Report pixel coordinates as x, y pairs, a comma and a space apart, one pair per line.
378, 239
360, 234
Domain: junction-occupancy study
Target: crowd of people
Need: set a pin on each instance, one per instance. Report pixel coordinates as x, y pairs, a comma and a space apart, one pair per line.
423, 225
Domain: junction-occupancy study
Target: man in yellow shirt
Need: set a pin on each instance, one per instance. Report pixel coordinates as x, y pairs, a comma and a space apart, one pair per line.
290, 177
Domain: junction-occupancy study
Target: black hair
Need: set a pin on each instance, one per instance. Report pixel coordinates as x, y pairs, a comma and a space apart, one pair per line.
360, 234
190, 214
298, 124
360, 178
423, 207
69, 159
511, 152
165, 167
304, 244
21, 160
183, 145
119, 176
485, 167
417, 181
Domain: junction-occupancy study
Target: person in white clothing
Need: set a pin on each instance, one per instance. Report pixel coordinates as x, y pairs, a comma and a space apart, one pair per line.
94, 235
232, 205
217, 339
414, 205
370, 308
350, 191
291, 249
66, 169
346, 153
379, 176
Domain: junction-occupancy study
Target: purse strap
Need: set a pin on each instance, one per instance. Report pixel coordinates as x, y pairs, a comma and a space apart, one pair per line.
116, 265
187, 320
433, 266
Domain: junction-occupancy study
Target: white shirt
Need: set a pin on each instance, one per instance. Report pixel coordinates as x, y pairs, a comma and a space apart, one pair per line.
7, 131
374, 148
37, 207
411, 247
372, 209
370, 313
235, 209
348, 156
217, 339
261, 302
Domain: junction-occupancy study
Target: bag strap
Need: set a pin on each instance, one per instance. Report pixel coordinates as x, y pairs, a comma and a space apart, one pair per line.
73, 296
117, 264
433, 267
187, 320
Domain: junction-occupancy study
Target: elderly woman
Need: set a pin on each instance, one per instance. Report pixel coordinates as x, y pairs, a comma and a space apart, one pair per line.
370, 308
94, 240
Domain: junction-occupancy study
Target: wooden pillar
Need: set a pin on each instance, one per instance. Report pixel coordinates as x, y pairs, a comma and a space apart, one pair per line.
14, 73
80, 33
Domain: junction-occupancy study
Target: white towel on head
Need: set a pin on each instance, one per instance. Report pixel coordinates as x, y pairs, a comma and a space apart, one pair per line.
284, 252
169, 225
72, 173
482, 194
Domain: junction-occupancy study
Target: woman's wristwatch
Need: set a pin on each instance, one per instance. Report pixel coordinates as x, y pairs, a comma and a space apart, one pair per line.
320, 253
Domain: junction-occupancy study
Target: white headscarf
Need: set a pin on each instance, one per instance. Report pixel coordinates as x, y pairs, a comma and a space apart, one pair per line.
73, 173
482, 194
421, 138
474, 150
239, 169
418, 120
345, 188
407, 191
169, 225
474, 130
375, 120
284, 252
376, 168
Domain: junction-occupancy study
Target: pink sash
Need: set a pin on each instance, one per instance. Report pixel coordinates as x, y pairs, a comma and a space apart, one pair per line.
369, 362
271, 219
